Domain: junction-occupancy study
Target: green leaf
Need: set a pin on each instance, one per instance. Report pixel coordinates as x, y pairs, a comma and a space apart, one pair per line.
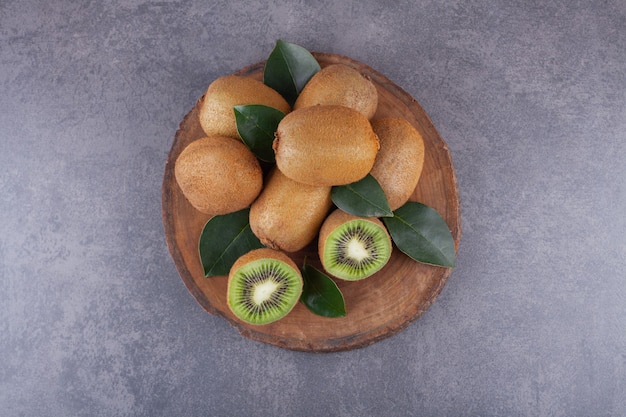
421, 233
320, 294
364, 198
224, 239
256, 125
288, 68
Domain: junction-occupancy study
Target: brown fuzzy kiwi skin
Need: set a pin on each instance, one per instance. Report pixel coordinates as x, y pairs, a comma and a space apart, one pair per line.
262, 253
325, 145
335, 219
218, 175
287, 215
216, 114
399, 161
342, 85
254, 255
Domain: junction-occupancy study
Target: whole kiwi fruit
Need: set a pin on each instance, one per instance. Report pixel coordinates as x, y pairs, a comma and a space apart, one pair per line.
399, 161
325, 145
288, 214
263, 286
218, 175
216, 113
342, 85
351, 247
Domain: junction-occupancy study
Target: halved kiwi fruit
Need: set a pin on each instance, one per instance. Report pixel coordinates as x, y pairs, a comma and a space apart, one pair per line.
353, 248
263, 286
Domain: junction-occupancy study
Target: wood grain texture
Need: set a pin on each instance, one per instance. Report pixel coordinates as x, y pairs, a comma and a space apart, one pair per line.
377, 307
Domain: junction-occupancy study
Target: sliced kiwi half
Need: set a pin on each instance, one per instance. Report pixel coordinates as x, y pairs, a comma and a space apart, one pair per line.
353, 248
263, 286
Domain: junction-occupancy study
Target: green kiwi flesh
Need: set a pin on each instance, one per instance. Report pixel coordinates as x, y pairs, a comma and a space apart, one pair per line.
264, 290
356, 249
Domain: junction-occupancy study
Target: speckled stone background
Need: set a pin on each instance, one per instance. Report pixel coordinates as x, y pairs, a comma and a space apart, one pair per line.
531, 99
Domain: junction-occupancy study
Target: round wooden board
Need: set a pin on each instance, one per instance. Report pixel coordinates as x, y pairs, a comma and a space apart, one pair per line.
377, 307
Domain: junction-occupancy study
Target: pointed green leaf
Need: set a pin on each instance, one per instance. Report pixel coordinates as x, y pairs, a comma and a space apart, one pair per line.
421, 233
224, 239
320, 294
364, 198
256, 125
288, 68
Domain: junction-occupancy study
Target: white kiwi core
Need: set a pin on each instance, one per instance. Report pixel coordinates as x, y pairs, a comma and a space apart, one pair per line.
263, 291
357, 250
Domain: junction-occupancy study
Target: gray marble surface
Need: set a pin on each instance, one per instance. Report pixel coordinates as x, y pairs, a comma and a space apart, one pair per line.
530, 97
